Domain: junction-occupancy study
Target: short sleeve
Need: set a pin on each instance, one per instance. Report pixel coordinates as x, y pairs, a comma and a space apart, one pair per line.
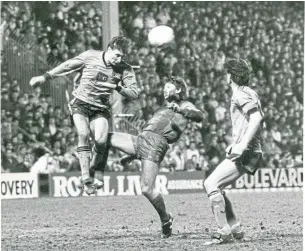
82, 57
247, 102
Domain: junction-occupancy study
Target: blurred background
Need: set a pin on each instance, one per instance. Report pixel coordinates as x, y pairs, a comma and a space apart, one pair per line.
36, 132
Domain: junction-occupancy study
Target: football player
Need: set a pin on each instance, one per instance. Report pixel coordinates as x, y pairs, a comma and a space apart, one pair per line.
243, 156
102, 72
151, 145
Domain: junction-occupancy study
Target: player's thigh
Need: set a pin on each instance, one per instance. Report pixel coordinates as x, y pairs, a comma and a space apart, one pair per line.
149, 173
99, 129
224, 174
123, 142
81, 123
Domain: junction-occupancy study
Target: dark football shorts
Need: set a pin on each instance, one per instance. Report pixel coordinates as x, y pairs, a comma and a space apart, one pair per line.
249, 161
150, 146
92, 112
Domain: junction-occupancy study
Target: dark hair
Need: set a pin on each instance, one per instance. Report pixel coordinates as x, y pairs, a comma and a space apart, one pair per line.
121, 43
239, 70
180, 84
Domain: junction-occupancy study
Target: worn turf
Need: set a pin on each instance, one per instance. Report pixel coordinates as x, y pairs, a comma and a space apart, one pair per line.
272, 221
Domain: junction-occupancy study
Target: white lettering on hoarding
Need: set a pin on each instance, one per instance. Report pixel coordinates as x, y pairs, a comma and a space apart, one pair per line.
105, 191
249, 181
239, 183
60, 186
65, 185
283, 180
184, 184
161, 183
274, 177
121, 186
292, 177
270, 178
265, 177
134, 185
72, 188
300, 176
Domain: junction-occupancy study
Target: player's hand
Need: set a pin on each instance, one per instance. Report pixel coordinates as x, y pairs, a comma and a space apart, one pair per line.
236, 151
37, 80
119, 86
173, 106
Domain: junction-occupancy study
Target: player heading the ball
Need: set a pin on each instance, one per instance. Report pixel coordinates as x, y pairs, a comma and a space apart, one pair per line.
102, 72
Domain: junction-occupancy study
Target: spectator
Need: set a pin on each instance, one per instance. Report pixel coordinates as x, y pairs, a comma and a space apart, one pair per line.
192, 151
270, 39
176, 159
6, 104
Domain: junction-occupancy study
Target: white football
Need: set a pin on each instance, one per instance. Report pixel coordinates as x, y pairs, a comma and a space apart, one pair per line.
160, 35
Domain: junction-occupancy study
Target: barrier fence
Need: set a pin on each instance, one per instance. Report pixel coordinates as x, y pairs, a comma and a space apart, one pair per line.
28, 185
22, 61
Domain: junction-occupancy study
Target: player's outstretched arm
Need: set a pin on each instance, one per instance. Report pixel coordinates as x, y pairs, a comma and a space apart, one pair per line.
64, 68
191, 112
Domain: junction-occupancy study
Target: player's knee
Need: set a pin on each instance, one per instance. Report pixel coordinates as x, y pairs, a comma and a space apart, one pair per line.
146, 190
101, 141
100, 145
217, 200
83, 136
210, 185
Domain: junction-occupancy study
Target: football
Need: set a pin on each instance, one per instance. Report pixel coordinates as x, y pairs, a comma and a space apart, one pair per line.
160, 35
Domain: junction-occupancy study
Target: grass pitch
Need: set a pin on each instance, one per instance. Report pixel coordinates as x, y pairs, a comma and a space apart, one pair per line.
272, 221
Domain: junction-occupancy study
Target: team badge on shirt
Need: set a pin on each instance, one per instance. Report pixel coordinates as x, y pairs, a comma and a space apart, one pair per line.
102, 77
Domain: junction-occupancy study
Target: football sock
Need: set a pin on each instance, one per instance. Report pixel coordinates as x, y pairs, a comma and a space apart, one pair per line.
231, 218
98, 160
102, 165
84, 160
159, 205
219, 211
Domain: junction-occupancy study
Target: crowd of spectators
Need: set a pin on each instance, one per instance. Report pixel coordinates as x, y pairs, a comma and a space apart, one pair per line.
269, 35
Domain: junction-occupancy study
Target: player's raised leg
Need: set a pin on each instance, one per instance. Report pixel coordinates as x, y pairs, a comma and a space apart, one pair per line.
99, 156
148, 178
224, 174
83, 149
123, 142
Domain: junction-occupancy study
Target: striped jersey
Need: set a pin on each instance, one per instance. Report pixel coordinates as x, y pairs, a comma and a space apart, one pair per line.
243, 100
98, 79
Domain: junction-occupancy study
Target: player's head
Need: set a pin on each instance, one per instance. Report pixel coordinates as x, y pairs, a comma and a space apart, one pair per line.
238, 71
175, 89
117, 48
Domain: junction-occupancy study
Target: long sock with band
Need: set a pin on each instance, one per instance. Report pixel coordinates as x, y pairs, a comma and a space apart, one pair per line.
84, 160
99, 160
218, 208
159, 205
231, 218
